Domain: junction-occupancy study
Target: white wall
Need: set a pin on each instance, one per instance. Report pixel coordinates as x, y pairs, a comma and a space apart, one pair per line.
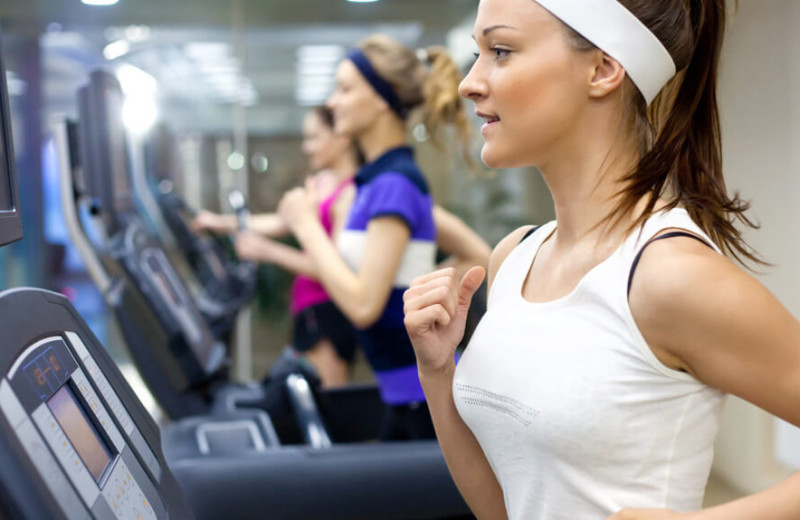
760, 106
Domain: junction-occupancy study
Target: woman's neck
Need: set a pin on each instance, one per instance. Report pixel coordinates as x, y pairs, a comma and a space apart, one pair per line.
345, 167
386, 133
585, 180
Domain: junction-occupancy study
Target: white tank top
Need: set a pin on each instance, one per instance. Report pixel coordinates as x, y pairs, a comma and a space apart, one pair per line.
574, 412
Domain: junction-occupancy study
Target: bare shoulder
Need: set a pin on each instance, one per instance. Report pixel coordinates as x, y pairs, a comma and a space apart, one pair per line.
503, 249
682, 291
678, 268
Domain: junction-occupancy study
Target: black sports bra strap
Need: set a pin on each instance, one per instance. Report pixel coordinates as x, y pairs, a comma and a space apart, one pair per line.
528, 233
665, 235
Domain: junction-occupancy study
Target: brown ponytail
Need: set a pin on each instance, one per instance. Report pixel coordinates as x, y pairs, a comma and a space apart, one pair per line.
684, 163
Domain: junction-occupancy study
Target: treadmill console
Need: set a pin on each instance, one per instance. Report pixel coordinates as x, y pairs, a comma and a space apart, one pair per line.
77, 433
153, 274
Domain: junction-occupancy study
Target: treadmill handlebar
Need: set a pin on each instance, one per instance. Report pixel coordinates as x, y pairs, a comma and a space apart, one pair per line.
239, 204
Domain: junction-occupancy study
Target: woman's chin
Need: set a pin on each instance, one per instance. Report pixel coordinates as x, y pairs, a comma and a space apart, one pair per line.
499, 160
341, 128
492, 159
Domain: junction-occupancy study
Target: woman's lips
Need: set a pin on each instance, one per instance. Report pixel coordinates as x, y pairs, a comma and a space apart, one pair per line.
491, 120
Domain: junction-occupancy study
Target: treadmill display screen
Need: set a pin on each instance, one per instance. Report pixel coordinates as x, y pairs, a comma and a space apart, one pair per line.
10, 221
72, 418
6, 204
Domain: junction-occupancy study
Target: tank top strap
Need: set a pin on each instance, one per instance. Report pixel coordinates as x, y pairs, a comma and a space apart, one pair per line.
514, 269
326, 204
331, 198
676, 218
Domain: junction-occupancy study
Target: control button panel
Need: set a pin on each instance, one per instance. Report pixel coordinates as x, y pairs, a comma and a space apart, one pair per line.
125, 496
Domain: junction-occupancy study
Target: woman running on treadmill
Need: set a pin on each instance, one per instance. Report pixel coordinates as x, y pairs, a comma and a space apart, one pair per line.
320, 331
593, 386
390, 235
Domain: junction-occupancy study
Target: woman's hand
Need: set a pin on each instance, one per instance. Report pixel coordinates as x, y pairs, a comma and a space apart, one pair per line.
435, 315
206, 220
648, 514
299, 205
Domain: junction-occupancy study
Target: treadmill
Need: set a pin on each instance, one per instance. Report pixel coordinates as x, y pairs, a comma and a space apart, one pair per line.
227, 283
171, 344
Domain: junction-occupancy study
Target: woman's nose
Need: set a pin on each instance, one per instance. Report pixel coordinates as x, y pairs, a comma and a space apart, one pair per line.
472, 86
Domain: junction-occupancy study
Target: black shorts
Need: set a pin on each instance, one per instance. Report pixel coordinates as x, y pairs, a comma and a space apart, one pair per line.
325, 321
407, 422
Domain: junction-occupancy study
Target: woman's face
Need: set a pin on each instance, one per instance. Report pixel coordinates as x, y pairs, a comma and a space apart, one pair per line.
321, 145
354, 102
528, 83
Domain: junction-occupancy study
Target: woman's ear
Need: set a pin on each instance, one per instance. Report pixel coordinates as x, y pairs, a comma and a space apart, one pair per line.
607, 77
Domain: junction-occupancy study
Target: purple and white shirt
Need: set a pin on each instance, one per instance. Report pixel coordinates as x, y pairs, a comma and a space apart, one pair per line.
394, 186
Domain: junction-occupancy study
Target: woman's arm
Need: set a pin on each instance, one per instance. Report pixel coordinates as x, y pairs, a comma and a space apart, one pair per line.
702, 314
252, 246
436, 308
465, 247
361, 295
268, 224
341, 209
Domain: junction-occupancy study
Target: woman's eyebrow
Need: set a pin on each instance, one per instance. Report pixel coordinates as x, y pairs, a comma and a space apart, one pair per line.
491, 28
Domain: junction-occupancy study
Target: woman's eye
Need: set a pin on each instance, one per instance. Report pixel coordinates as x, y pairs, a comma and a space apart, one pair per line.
500, 53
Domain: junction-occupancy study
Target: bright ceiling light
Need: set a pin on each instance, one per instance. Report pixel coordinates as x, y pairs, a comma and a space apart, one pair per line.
320, 53
99, 2
236, 161
208, 51
137, 33
135, 81
116, 49
260, 162
305, 68
139, 113
362, 1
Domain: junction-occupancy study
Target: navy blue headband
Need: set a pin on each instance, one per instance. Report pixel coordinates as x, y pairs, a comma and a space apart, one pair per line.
380, 85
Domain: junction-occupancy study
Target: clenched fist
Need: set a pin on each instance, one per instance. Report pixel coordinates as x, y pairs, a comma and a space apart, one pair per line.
435, 307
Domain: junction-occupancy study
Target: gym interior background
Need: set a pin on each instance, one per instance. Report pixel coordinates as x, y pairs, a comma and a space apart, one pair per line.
231, 80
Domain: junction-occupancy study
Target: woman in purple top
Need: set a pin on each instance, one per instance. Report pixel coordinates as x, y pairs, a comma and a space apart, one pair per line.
390, 235
321, 332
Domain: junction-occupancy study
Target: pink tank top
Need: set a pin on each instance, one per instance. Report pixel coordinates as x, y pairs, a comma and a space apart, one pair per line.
307, 291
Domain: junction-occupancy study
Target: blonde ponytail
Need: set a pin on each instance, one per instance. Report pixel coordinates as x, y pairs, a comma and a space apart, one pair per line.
442, 103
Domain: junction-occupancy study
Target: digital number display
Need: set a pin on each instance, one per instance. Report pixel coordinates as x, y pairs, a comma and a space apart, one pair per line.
80, 431
46, 372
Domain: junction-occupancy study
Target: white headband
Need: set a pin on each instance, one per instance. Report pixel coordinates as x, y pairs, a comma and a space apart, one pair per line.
618, 33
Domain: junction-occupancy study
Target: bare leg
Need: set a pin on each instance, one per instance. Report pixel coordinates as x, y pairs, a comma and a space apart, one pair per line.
333, 370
